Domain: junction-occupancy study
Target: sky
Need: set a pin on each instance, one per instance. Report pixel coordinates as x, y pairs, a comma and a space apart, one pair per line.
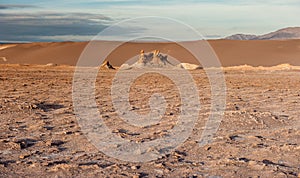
81, 20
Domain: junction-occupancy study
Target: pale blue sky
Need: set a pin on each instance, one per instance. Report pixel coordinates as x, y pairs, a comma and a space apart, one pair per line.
55, 20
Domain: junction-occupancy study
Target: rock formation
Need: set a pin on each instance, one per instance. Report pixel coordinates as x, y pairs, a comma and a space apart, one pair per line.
107, 65
152, 59
155, 59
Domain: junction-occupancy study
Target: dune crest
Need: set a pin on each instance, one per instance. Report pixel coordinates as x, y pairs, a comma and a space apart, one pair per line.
2, 47
189, 66
230, 52
277, 67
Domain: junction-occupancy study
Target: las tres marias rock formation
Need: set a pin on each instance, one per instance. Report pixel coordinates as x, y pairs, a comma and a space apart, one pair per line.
153, 59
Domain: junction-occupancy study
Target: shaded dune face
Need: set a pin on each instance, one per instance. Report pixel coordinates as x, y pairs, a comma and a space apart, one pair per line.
229, 52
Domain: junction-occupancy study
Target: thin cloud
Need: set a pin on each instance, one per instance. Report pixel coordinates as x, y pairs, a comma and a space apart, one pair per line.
33, 27
146, 3
16, 6
214, 17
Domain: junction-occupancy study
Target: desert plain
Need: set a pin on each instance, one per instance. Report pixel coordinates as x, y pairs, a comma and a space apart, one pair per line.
259, 135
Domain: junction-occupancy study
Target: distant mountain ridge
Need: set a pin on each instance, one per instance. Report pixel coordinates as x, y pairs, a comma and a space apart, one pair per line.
282, 34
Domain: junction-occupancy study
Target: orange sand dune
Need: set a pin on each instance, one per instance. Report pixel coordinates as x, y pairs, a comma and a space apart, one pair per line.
230, 52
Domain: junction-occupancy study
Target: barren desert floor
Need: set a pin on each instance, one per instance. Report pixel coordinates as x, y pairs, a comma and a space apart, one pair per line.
259, 135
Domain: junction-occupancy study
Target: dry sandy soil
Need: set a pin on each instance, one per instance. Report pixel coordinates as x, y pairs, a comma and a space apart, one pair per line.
259, 135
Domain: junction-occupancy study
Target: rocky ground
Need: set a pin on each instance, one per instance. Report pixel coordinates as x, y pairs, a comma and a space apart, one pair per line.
259, 135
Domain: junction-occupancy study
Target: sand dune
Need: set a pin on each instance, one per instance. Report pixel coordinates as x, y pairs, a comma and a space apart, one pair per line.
257, 53
271, 68
44, 53
230, 52
6, 46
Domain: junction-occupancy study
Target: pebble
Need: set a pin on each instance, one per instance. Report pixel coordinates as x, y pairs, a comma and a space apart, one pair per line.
159, 165
23, 156
244, 159
68, 132
158, 171
25, 143
194, 176
51, 65
33, 106
54, 142
236, 138
254, 165
133, 167
120, 131
48, 127
32, 165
